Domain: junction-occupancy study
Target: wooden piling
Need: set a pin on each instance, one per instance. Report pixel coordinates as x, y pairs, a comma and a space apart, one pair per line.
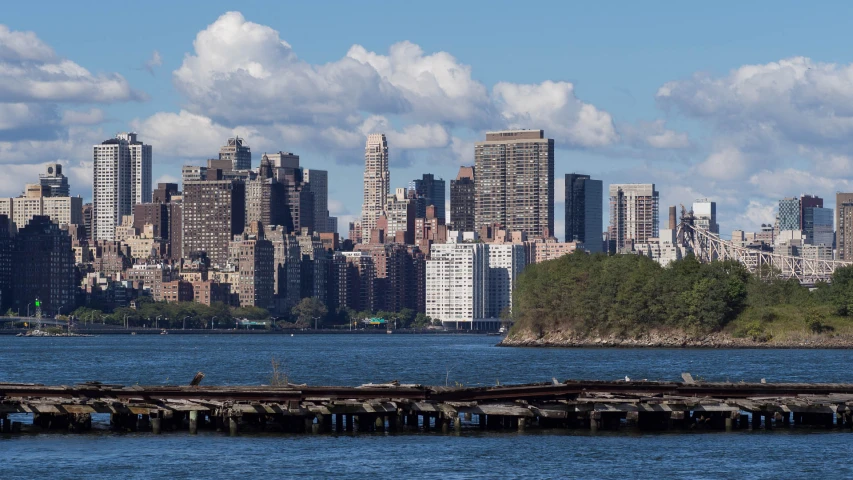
522, 423
193, 422
5, 425
457, 424
233, 425
156, 423
593, 421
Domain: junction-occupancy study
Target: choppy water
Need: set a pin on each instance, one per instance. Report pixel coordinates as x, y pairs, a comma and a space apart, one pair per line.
428, 359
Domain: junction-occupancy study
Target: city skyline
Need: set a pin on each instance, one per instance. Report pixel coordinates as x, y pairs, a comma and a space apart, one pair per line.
639, 131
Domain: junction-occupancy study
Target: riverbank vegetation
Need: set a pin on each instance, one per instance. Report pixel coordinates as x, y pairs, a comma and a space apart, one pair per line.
632, 295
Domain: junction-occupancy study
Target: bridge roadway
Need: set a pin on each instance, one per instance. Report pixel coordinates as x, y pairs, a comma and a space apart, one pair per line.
572, 404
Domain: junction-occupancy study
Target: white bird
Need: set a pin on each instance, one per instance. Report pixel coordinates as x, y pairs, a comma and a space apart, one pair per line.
627, 379
291, 334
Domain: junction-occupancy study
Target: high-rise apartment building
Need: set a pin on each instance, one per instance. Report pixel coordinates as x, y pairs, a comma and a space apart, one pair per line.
61, 210
257, 270
633, 214
432, 191
514, 185
238, 153
377, 183
400, 212
318, 184
457, 283
166, 215
462, 200
844, 226
506, 262
122, 178
7, 232
705, 215
584, 218
266, 198
53, 182
43, 262
213, 212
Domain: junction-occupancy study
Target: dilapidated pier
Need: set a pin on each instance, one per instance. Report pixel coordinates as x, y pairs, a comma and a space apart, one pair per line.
395, 407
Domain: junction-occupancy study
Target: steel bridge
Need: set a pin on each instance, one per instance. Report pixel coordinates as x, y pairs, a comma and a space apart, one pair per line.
708, 247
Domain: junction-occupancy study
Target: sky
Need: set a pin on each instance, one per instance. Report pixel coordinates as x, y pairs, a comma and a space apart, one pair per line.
740, 102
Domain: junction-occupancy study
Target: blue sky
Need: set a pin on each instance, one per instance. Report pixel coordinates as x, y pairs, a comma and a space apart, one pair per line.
742, 102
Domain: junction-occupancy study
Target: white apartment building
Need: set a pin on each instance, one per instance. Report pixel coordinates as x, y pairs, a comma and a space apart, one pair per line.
457, 284
506, 262
469, 284
122, 178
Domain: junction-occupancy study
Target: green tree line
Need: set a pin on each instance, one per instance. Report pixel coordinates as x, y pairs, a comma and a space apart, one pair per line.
632, 294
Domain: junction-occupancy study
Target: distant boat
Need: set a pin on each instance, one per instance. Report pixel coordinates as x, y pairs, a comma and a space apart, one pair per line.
164, 332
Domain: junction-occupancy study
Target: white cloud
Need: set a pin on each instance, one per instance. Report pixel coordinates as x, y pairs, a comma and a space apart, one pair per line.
93, 116
554, 107
726, 164
244, 73
437, 87
801, 100
186, 134
790, 182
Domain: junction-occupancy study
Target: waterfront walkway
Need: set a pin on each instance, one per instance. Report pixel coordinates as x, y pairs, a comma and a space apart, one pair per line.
391, 407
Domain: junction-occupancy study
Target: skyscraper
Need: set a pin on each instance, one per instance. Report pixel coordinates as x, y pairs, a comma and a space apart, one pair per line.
43, 262
584, 219
462, 203
238, 153
817, 226
318, 184
705, 215
53, 182
514, 185
377, 182
789, 214
213, 212
122, 178
844, 226
633, 213
265, 197
433, 192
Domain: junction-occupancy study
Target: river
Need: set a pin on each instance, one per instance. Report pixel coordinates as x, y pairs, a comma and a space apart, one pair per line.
428, 359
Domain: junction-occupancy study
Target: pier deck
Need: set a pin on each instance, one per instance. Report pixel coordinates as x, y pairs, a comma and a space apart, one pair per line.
591, 405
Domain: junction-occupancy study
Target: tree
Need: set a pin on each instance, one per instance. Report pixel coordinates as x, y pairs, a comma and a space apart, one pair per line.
309, 310
421, 320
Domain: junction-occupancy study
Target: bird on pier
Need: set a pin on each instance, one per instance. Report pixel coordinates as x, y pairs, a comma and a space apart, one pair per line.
627, 379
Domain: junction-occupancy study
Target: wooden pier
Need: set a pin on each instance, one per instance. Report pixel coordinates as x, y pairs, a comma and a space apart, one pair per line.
394, 407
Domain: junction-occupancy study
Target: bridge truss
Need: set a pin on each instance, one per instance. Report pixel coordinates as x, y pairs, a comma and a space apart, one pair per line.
708, 247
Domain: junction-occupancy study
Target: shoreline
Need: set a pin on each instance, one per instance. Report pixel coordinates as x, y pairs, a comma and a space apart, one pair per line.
674, 340
156, 331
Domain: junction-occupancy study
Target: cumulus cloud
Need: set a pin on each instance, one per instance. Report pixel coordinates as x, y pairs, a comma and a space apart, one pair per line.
554, 106
244, 72
791, 182
241, 72
801, 100
726, 164
189, 135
